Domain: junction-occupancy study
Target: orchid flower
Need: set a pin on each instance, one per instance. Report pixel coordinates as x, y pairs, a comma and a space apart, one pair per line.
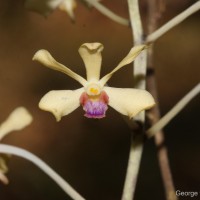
94, 96
17, 120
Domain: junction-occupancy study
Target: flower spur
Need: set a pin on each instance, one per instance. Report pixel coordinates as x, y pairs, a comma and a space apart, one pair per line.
94, 96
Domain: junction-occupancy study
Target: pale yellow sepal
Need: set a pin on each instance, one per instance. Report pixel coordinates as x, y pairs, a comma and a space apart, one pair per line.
44, 57
91, 55
3, 165
61, 103
4, 168
45, 7
129, 102
134, 52
68, 6
17, 120
3, 178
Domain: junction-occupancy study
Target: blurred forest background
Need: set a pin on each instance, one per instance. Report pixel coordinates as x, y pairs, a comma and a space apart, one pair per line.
92, 154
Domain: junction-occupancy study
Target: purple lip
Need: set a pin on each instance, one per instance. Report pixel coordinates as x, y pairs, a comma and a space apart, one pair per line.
95, 109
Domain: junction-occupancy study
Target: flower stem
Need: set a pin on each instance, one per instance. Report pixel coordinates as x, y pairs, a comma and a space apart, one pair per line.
140, 64
136, 150
8, 149
108, 13
172, 23
173, 112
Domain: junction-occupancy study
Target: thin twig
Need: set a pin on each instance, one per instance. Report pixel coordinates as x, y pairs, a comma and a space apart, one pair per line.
8, 149
136, 148
108, 13
172, 23
173, 112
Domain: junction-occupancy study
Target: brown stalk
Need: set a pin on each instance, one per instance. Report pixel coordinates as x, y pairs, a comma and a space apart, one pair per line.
156, 7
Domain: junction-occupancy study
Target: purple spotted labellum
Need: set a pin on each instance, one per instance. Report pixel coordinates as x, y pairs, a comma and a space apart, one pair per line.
94, 107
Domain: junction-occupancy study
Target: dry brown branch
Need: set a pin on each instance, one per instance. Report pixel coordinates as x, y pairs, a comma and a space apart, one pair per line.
153, 16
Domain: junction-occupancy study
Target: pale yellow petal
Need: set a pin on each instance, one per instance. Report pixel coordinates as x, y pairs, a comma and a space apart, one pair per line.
44, 57
68, 6
43, 7
17, 120
4, 168
61, 103
3, 178
3, 163
134, 52
91, 55
129, 102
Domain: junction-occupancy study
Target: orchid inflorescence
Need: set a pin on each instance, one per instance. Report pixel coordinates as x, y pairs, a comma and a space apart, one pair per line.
94, 96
